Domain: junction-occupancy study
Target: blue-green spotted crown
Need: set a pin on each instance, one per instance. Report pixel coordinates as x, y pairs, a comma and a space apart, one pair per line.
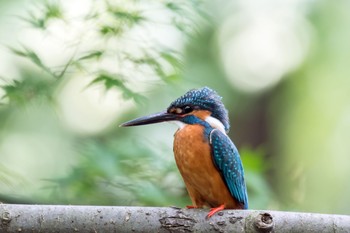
205, 99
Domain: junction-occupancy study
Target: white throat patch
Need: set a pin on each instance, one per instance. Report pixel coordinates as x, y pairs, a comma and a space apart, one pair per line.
179, 124
215, 123
212, 121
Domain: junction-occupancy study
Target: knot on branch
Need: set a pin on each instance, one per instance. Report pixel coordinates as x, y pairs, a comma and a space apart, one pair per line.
264, 223
5, 218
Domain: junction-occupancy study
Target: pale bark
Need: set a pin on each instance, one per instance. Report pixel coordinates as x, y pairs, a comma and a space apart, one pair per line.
59, 218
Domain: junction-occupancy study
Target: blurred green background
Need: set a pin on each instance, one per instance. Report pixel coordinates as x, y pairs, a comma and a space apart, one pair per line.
72, 71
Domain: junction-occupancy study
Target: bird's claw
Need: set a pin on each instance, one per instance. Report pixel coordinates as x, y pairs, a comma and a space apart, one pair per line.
215, 210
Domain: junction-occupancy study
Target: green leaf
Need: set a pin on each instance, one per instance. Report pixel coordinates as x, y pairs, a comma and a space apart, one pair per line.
173, 6
115, 81
111, 30
52, 10
21, 92
33, 57
129, 18
108, 81
35, 21
171, 59
91, 55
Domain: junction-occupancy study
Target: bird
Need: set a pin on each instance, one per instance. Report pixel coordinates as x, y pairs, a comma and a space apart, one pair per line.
207, 159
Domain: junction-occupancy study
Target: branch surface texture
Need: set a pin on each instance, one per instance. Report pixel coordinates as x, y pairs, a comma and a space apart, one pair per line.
59, 218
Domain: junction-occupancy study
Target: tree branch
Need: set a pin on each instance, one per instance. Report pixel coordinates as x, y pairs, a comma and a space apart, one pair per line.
57, 218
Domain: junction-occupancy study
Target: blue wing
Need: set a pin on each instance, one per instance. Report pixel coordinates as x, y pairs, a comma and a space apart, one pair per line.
227, 160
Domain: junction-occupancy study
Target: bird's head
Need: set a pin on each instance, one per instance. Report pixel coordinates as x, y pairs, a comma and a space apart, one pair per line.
203, 103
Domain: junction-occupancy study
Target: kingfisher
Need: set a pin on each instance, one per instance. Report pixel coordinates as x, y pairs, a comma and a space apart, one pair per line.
207, 159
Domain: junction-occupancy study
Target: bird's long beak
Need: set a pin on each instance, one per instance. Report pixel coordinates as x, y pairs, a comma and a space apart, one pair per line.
151, 119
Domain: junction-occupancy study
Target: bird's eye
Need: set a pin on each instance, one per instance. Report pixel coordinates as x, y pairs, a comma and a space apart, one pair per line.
187, 109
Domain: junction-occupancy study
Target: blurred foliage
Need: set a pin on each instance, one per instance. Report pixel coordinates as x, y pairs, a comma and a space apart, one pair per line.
108, 169
116, 49
48, 11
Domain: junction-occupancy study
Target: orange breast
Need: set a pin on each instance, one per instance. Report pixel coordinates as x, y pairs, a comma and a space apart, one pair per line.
203, 181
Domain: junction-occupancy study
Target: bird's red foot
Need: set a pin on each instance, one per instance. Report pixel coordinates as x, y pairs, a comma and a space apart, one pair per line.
192, 207
215, 210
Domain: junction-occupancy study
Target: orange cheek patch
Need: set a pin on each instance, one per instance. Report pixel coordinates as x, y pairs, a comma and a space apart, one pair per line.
201, 114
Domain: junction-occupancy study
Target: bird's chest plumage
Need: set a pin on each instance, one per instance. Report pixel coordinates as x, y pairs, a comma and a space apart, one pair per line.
203, 181
191, 150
